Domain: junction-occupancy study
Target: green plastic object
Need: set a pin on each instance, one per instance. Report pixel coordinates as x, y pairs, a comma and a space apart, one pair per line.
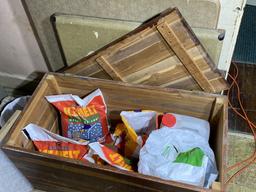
192, 157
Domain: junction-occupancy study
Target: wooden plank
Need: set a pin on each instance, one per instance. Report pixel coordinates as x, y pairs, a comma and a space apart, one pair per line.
5, 129
48, 172
216, 107
216, 187
33, 111
171, 38
109, 69
219, 131
141, 56
142, 59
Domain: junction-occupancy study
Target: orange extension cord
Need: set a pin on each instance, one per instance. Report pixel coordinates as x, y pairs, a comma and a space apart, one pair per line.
250, 160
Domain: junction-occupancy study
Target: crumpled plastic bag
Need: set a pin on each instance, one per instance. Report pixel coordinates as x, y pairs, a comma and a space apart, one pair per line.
173, 120
54, 144
50, 143
136, 128
186, 137
9, 109
111, 157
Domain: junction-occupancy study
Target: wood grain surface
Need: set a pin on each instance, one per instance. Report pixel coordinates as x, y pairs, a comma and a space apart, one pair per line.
53, 173
152, 55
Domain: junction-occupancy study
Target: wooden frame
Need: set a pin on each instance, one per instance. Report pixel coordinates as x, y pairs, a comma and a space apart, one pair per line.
162, 52
52, 173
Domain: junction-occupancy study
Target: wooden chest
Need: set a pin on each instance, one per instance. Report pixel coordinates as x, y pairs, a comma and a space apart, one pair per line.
52, 173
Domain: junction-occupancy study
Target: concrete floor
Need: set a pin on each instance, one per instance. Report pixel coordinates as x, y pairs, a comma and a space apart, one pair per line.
240, 147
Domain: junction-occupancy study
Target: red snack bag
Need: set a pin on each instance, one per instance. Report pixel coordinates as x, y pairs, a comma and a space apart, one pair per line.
82, 119
50, 143
111, 157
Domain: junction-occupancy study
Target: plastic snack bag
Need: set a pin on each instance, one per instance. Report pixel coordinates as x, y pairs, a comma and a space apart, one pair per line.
137, 126
50, 143
82, 119
109, 156
180, 152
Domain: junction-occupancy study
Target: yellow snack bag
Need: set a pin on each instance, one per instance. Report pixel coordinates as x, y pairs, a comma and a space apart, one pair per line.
137, 126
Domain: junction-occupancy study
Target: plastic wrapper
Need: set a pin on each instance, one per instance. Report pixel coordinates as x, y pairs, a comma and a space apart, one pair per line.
180, 151
111, 157
82, 119
173, 120
50, 143
9, 109
136, 127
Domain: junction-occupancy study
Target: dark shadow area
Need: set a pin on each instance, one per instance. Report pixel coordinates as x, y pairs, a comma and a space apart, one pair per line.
246, 80
246, 40
53, 22
26, 87
29, 87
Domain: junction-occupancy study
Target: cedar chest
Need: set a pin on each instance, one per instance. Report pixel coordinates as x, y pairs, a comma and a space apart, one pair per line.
53, 173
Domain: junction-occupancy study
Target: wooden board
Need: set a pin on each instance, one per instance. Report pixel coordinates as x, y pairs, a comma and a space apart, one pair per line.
5, 129
92, 33
162, 52
48, 172
199, 13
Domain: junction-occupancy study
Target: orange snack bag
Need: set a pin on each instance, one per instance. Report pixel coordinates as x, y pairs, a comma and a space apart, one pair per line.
50, 143
82, 119
109, 156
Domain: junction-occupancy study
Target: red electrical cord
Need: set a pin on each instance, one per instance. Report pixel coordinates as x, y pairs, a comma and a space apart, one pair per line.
251, 159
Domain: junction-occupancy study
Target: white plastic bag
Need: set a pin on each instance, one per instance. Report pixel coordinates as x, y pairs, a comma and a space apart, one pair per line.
200, 126
138, 124
142, 122
158, 155
17, 104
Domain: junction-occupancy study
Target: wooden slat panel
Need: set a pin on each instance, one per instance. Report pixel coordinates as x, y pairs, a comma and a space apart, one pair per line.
135, 46
51, 173
144, 57
37, 111
137, 98
162, 66
109, 69
187, 39
171, 38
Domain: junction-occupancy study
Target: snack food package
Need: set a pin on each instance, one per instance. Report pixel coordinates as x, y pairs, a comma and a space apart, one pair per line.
82, 119
136, 128
50, 143
109, 156
180, 151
